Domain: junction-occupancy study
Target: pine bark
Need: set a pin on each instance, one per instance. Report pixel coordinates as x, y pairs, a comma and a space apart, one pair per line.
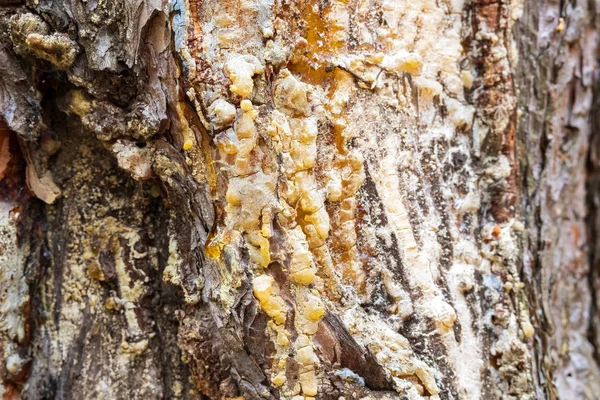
342, 199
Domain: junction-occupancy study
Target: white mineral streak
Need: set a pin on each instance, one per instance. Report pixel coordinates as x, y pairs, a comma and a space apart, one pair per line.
434, 57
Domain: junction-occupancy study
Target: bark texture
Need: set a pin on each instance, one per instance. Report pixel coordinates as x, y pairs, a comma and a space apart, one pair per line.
357, 199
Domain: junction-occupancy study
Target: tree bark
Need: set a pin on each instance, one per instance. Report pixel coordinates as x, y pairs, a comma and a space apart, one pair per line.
330, 199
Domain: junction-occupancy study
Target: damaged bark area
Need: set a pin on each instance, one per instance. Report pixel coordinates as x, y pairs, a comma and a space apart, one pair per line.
363, 199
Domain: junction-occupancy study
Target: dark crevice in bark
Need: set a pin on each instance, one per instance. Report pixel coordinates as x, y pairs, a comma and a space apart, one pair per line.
71, 367
166, 305
357, 358
593, 220
391, 254
414, 204
415, 327
431, 158
428, 346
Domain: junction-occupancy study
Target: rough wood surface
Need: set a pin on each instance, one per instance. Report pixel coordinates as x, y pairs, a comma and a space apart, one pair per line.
358, 199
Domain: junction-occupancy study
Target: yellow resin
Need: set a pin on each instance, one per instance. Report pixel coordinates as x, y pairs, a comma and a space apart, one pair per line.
304, 277
273, 305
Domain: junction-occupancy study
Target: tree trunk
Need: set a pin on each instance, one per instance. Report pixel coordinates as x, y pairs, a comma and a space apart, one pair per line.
331, 199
